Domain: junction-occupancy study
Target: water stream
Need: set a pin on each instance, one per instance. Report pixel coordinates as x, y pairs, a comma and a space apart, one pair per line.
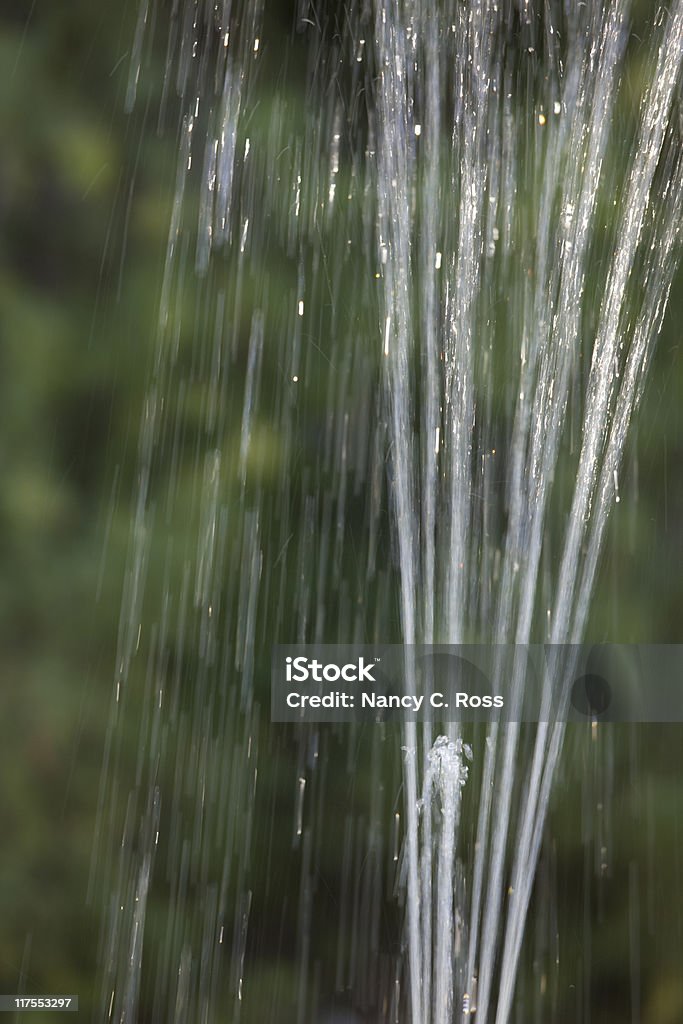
418, 259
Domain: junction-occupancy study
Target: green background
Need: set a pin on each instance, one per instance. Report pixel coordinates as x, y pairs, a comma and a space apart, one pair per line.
85, 199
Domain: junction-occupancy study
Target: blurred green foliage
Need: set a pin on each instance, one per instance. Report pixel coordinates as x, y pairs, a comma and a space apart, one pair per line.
79, 276
85, 198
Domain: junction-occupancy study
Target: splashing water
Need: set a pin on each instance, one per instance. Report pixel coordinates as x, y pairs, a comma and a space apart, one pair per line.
404, 342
